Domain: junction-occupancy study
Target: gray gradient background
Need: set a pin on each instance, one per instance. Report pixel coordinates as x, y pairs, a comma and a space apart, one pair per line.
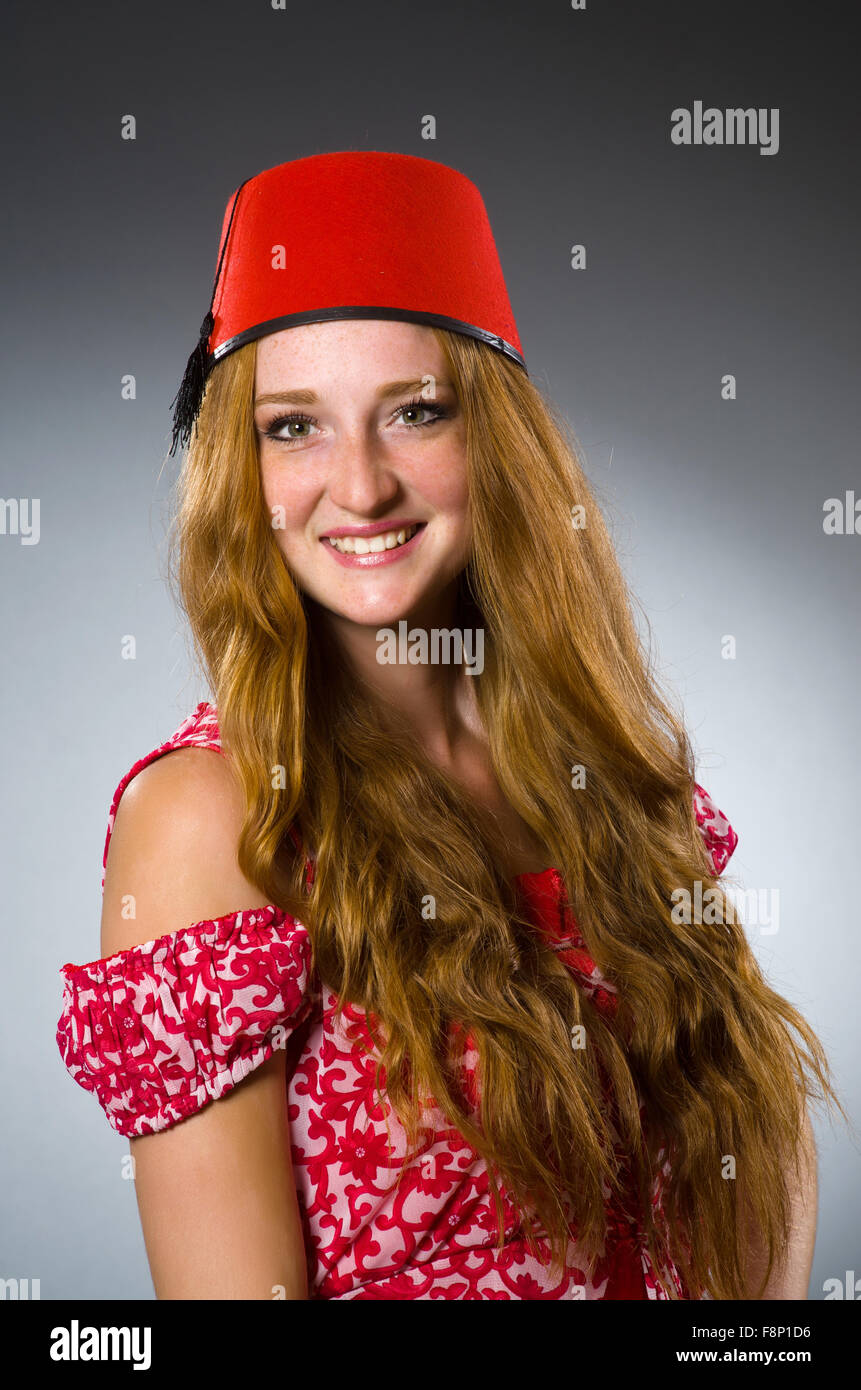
702, 261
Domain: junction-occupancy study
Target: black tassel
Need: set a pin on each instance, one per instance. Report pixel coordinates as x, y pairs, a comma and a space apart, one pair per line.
187, 401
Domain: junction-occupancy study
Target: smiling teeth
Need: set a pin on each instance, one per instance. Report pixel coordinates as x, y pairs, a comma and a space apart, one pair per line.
370, 545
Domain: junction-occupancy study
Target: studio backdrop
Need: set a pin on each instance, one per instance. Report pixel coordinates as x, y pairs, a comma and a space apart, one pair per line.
673, 194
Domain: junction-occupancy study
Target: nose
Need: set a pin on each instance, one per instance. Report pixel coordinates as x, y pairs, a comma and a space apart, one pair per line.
361, 480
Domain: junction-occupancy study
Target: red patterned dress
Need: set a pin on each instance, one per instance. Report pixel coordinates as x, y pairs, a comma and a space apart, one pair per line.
162, 1029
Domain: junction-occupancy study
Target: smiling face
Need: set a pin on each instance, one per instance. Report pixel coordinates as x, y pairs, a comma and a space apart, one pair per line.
362, 441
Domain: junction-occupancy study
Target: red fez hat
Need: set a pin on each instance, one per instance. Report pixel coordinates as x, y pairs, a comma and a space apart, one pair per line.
362, 234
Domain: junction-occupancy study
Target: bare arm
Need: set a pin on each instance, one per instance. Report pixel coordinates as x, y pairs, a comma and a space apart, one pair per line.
216, 1191
790, 1277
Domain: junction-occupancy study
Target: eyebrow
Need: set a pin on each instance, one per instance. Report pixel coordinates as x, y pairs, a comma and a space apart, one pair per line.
302, 396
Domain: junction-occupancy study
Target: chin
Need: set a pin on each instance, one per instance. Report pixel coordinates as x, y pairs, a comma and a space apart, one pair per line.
372, 618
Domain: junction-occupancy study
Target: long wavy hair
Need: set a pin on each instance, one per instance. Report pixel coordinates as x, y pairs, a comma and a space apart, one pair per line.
702, 1059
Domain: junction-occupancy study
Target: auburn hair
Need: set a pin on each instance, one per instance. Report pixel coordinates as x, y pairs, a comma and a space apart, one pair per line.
702, 1059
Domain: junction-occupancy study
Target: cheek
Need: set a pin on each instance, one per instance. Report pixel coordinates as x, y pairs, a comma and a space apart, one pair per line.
442, 479
286, 494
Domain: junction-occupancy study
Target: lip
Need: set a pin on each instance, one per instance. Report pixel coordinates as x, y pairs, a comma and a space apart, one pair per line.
382, 557
373, 528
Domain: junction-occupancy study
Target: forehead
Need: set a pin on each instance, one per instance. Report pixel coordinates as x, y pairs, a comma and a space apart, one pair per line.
344, 350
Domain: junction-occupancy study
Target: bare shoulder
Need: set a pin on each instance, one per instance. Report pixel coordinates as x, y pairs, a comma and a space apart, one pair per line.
187, 786
172, 859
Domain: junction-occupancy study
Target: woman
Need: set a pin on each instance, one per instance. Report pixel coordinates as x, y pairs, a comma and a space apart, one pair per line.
416, 929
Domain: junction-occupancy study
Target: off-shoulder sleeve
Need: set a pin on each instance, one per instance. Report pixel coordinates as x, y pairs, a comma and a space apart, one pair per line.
160, 1030
719, 837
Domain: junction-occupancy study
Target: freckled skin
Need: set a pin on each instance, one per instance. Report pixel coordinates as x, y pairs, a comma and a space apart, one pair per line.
362, 462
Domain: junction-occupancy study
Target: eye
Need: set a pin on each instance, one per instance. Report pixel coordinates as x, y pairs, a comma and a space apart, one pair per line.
415, 409
431, 408
272, 429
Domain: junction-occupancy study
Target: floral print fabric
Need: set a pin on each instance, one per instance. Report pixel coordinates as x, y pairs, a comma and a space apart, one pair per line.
160, 1030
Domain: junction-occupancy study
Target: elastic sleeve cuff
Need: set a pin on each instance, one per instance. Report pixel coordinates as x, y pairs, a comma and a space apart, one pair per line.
719, 837
158, 1031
